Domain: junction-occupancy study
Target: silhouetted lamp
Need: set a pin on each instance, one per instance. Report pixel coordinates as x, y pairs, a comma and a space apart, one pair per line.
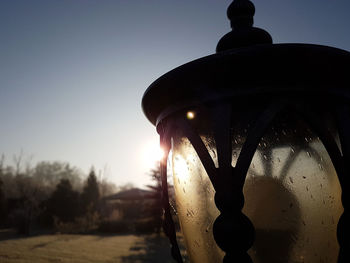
259, 136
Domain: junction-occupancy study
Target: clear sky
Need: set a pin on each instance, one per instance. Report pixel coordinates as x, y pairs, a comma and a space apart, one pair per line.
73, 72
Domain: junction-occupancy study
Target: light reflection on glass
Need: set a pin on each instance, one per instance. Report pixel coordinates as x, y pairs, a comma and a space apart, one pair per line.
190, 115
292, 196
194, 202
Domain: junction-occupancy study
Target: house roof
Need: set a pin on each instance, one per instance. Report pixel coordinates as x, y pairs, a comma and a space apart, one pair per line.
131, 194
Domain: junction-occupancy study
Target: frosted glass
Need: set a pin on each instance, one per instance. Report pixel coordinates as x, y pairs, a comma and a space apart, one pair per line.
292, 196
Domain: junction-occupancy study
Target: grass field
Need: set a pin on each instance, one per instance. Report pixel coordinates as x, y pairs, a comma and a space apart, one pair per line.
84, 248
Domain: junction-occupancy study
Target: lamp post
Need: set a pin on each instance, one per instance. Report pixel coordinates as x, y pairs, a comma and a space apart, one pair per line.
259, 135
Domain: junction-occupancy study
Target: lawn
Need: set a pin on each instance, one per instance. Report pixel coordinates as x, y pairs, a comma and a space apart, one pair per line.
84, 248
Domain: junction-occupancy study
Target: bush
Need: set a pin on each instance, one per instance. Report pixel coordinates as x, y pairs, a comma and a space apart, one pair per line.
19, 219
146, 226
65, 227
89, 222
81, 225
116, 227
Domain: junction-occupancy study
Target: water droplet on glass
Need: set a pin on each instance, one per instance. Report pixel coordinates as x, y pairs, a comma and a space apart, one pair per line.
207, 229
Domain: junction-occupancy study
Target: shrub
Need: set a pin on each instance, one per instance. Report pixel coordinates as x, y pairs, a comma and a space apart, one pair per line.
121, 226
81, 225
146, 226
19, 219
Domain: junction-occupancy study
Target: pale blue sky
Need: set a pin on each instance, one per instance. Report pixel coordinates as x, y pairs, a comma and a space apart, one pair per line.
73, 72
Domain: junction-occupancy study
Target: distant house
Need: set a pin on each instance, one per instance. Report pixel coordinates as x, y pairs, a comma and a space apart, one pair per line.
139, 209
128, 204
131, 195
127, 210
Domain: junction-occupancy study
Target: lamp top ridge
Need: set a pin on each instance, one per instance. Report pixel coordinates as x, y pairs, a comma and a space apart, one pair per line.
243, 34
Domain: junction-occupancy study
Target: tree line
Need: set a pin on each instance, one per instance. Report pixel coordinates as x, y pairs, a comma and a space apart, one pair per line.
52, 195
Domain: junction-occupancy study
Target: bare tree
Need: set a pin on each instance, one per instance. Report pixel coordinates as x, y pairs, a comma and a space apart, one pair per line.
17, 159
2, 163
105, 187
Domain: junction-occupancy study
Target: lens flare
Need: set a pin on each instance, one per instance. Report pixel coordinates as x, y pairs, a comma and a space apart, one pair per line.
190, 115
152, 153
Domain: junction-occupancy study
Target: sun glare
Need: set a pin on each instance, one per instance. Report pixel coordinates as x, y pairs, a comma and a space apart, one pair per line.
191, 115
152, 153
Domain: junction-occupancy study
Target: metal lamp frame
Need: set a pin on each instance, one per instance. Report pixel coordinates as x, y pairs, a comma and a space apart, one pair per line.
232, 227
249, 70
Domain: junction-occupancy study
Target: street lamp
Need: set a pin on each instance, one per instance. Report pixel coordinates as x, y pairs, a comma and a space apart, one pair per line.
259, 136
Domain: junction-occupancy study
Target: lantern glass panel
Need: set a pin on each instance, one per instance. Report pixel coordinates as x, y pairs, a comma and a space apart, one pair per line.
292, 193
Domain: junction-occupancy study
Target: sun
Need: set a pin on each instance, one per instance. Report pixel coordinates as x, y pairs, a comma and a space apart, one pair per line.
152, 153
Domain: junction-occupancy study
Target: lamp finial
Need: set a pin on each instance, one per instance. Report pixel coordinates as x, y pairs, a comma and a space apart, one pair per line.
241, 14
